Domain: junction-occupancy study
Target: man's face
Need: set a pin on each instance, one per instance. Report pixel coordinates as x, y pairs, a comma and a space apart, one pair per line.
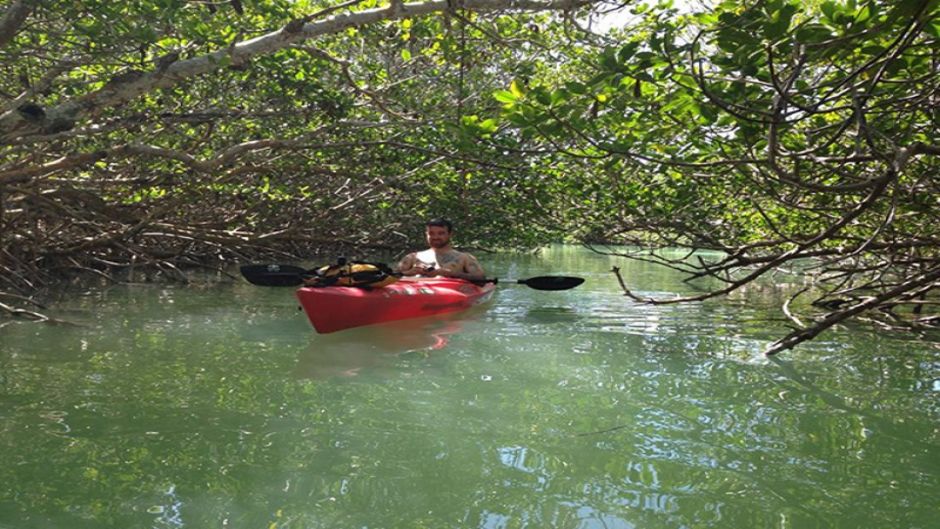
438, 236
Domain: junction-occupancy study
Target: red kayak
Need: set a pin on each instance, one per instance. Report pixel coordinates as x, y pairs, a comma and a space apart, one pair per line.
333, 308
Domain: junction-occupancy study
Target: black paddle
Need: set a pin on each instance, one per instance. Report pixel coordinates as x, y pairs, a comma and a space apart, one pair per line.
281, 275
548, 282
275, 275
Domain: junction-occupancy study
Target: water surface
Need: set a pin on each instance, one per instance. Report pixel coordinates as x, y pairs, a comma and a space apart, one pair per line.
216, 405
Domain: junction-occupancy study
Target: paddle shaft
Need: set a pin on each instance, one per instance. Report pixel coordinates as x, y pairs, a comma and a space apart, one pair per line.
272, 275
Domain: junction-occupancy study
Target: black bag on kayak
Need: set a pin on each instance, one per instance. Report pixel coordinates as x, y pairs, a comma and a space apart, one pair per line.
352, 274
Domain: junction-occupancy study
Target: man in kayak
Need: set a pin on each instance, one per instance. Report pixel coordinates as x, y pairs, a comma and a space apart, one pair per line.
441, 260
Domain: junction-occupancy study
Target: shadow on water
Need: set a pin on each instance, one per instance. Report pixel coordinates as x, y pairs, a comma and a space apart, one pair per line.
348, 353
552, 315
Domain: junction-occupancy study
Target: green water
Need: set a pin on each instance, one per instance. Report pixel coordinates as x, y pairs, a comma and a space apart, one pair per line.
217, 406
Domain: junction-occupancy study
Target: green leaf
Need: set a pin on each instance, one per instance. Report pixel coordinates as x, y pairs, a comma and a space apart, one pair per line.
559, 96
627, 51
542, 96
830, 10
813, 34
933, 28
780, 24
505, 96
609, 61
708, 113
405, 54
576, 88
863, 14
516, 89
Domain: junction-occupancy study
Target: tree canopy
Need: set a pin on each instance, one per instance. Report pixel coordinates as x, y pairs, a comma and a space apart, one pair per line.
175, 132
790, 136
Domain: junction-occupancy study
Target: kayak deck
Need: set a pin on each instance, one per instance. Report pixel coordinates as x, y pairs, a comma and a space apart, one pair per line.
332, 309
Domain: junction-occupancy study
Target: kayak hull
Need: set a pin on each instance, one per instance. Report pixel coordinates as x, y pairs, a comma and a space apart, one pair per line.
332, 309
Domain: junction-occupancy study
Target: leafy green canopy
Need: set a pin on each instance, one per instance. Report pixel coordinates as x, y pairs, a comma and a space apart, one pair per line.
179, 132
774, 133
176, 132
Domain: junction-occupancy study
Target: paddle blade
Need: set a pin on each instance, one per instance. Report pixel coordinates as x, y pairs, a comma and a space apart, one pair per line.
274, 275
552, 282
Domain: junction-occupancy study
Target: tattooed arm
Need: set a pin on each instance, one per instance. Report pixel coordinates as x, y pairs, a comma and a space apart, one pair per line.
460, 265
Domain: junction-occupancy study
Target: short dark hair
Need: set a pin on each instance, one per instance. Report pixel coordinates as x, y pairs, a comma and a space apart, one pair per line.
441, 223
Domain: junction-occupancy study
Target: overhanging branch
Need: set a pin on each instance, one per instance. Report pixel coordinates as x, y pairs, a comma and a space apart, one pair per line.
132, 84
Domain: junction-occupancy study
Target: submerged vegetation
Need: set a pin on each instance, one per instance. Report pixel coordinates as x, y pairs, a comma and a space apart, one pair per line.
180, 133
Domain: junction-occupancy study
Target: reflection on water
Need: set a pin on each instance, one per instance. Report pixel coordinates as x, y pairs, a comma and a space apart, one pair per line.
552, 315
347, 353
221, 407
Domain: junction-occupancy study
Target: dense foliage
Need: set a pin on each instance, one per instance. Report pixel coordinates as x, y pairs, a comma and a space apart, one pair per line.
174, 132
786, 135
